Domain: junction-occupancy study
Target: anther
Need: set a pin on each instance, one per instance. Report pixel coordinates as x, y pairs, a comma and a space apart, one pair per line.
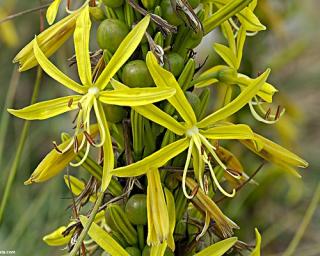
70, 102
233, 172
267, 114
277, 116
79, 105
56, 147
76, 144
89, 138
195, 191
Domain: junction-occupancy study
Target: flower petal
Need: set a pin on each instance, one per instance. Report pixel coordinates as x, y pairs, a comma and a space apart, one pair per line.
219, 248
155, 160
165, 79
232, 132
103, 239
135, 96
52, 11
53, 71
275, 153
108, 160
46, 109
55, 162
81, 44
244, 97
154, 113
125, 50
224, 13
50, 40
256, 251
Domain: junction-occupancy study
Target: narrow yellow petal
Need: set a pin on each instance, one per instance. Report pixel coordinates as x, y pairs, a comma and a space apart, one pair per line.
81, 44
53, 71
219, 248
47, 109
155, 160
256, 251
244, 98
52, 11
108, 160
103, 239
165, 79
125, 50
135, 96
154, 113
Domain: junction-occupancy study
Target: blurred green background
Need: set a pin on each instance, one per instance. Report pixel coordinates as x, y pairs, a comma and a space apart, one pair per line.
290, 47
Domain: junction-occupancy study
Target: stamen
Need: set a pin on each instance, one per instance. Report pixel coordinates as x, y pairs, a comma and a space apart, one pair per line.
195, 191
255, 114
98, 111
80, 105
221, 189
84, 157
206, 184
185, 170
76, 144
68, 147
70, 102
277, 116
89, 138
205, 227
76, 116
234, 173
56, 147
266, 117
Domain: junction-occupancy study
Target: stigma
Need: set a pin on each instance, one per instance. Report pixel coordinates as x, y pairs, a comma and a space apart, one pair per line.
94, 91
192, 131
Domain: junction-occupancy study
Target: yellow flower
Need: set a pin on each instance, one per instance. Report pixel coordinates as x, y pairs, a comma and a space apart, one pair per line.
91, 94
49, 41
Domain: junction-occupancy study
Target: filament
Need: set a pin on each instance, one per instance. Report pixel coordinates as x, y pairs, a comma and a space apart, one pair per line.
185, 170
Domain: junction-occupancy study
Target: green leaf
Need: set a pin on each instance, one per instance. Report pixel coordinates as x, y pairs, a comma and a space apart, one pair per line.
54, 72
123, 53
52, 11
224, 13
218, 249
81, 38
256, 251
157, 159
135, 96
226, 54
244, 98
165, 79
103, 239
47, 109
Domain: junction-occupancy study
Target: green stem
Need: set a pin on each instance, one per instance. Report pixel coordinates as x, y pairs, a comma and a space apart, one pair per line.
140, 229
15, 77
85, 230
22, 141
304, 224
